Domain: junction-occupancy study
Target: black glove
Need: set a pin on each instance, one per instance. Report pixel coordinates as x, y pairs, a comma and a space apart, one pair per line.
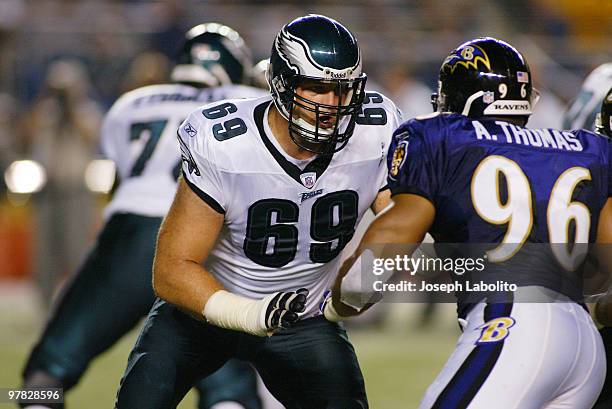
284, 307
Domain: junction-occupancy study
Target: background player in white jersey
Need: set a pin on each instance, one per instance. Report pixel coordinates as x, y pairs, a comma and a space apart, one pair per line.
272, 190
446, 178
582, 113
583, 109
602, 310
112, 290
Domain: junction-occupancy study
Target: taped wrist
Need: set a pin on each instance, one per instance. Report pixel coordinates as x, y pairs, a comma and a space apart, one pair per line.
231, 311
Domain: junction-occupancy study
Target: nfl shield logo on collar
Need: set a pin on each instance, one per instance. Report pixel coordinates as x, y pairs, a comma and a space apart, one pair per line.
308, 179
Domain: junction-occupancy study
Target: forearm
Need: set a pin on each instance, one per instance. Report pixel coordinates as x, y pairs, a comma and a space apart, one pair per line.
393, 232
195, 290
398, 230
185, 284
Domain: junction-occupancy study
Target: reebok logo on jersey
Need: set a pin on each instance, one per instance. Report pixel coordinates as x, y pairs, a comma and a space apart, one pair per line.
308, 195
191, 131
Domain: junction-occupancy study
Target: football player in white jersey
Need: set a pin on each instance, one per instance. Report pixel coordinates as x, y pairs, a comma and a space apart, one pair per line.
582, 113
271, 193
602, 310
112, 290
583, 109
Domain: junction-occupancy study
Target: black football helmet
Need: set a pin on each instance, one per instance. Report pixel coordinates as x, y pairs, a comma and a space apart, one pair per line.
319, 53
483, 77
213, 55
603, 121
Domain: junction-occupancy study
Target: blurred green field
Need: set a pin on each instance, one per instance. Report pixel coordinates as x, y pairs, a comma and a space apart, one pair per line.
398, 360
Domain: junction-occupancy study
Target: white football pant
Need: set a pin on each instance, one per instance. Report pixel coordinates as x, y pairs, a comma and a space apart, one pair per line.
522, 356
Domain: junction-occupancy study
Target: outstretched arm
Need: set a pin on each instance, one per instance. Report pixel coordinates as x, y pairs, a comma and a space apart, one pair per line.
602, 310
406, 223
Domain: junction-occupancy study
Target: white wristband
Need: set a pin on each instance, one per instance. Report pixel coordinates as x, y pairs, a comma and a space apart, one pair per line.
330, 312
231, 311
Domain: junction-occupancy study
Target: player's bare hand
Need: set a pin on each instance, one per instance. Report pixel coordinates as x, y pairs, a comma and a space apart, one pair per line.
340, 309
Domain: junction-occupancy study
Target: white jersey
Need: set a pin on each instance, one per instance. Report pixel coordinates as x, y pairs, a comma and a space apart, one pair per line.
582, 111
284, 226
139, 135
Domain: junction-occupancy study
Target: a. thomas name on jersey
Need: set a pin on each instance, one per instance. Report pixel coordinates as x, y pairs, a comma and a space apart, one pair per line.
547, 138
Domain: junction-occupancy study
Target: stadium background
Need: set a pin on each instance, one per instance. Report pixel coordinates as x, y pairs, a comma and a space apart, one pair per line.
93, 50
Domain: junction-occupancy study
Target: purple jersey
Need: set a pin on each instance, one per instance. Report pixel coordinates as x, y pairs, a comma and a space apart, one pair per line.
506, 187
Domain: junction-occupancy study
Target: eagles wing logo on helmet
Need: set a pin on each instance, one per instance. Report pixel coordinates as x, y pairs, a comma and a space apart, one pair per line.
292, 49
468, 57
296, 53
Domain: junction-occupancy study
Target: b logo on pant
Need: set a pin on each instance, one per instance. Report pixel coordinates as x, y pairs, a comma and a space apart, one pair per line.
496, 330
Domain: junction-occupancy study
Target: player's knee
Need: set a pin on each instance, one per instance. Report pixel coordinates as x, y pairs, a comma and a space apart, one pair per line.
46, 371
154, 369
41, 379
149, 381
55, 360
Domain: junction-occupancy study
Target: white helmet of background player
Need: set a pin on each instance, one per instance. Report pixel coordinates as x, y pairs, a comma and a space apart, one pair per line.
583, 109
603, 121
